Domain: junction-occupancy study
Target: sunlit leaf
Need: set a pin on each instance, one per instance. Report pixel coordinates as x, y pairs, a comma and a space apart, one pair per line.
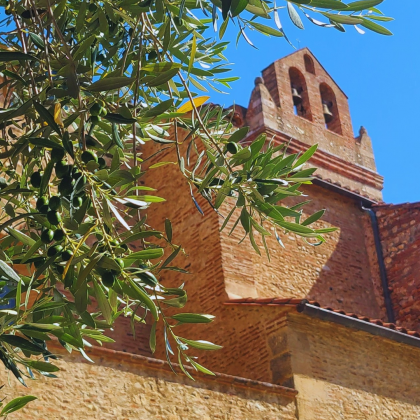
197, 102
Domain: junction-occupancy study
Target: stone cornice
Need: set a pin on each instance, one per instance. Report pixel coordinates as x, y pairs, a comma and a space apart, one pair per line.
323, 159
144, 362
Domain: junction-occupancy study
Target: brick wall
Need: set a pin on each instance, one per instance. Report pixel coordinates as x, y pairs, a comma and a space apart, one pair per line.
340, 273
337, 273
399, 227
126, 341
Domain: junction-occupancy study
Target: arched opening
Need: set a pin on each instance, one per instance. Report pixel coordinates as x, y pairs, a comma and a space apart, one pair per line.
300, 96
330, 109
309, 64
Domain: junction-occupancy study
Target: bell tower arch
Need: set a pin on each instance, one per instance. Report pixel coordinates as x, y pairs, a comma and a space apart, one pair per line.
330, 109
300, 96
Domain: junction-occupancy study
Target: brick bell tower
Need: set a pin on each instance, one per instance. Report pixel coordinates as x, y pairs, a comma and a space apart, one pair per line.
295, 101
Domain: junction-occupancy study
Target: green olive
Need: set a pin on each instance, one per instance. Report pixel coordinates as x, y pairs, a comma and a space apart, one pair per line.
232, 147
102, 163
41, 203
61, 169
47, 236
95, 109
88, 156
54, 217
54, 203
57, 154
39, 262
78, 175
65, 188
54, 250
36, 179
58, 235
3, 183
152, 55
108, 278
66, 255
77, 202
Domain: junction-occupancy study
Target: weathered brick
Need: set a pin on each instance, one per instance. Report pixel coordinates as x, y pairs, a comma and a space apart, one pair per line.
399, 227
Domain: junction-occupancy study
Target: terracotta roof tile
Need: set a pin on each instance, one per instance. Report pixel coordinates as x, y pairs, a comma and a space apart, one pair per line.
295, 302
380, 206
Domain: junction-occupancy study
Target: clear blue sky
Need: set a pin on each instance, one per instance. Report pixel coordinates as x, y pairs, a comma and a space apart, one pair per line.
379, 74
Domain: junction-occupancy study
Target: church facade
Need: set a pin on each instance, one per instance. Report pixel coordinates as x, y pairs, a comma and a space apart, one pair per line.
326, 332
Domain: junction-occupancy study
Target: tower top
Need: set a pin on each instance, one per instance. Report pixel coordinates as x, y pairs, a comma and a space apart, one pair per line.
296, 99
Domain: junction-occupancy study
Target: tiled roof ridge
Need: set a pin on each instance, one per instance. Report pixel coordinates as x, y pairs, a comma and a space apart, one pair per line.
299, 302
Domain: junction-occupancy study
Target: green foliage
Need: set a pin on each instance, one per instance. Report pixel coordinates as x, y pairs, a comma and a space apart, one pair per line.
84, 84
16, 404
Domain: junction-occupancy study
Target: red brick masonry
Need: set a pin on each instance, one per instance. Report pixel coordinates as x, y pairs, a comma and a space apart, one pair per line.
294, 303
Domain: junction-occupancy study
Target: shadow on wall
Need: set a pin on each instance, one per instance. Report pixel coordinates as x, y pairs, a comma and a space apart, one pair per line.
400, 237
344, 281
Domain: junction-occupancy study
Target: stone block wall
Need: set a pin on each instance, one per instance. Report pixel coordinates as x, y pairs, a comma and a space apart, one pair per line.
126, 387
342, 373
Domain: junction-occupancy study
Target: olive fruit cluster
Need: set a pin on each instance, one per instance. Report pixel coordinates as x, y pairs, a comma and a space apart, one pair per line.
50, 207
90, 156
70, 178
57, 235
109, 276
48, 235
117, 247
96, 112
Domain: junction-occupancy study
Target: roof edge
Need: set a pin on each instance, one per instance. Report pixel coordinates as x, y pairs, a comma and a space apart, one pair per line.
358, 324
351, 320
365, 201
